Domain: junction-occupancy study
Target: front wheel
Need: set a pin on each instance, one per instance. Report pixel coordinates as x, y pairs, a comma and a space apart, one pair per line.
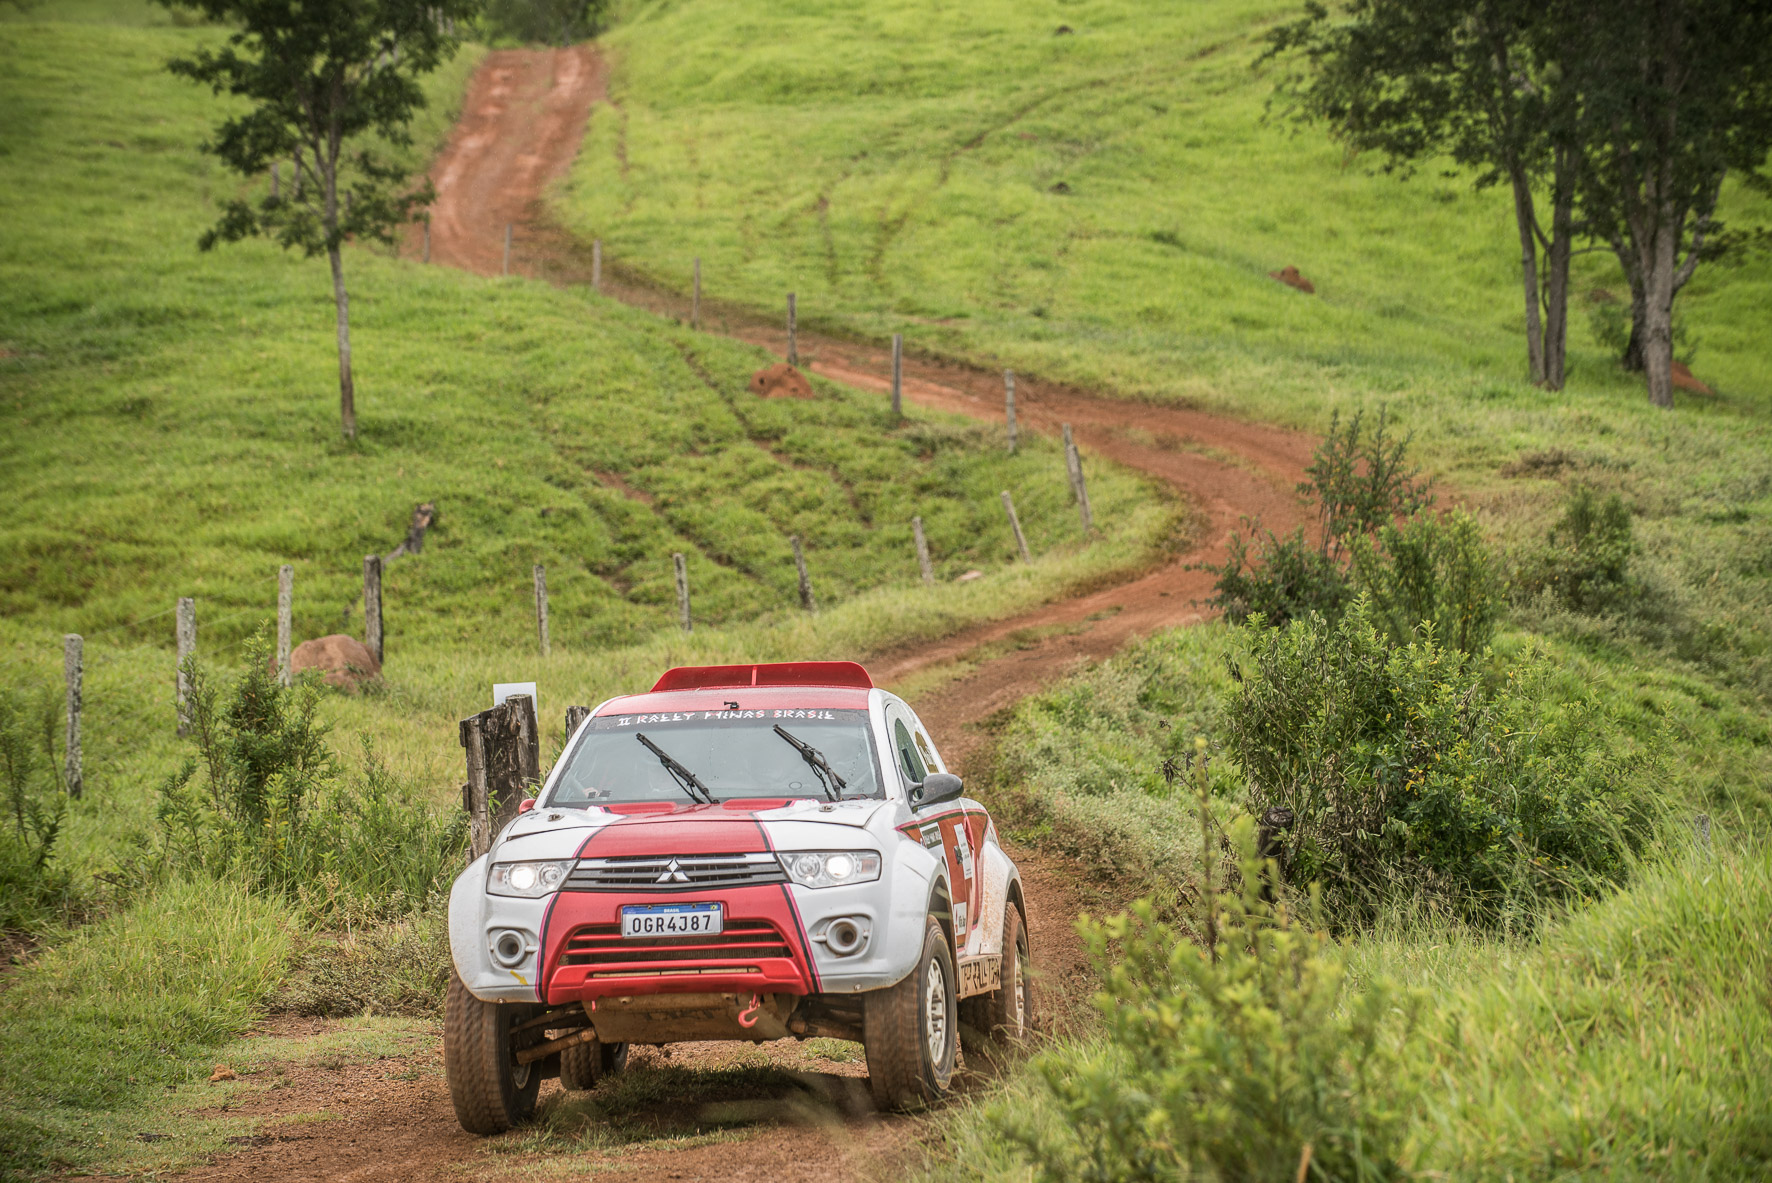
490, 1090
910, 1031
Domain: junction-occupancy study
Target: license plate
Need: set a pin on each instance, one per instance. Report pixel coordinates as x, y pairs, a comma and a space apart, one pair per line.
672, 920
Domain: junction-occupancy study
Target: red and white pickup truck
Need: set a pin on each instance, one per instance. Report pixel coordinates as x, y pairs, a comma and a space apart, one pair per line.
748, 852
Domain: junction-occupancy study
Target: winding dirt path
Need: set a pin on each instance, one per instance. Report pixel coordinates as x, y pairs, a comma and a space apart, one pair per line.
520, 128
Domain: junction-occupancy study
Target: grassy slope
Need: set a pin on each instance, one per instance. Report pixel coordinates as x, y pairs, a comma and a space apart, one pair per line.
169, 427
896, 164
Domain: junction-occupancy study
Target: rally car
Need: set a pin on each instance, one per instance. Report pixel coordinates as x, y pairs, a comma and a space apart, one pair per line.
749, 852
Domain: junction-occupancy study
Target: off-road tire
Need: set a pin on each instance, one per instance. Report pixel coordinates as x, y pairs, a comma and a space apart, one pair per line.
490, 1092
996, 1014
903, 1072
584, 1064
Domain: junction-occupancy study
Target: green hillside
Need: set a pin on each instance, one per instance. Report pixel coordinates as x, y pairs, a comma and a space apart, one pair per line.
1104, 205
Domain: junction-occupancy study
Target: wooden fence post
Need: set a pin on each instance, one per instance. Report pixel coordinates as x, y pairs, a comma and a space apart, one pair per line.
597, 264
793, 334
187, 646
541, 606
372, 635
695, 300
427, 257
503, 761
806, 601
1073, 463
73, 665
1009, 405
285, 619
683, 592
922, 552
1021, 542
276, 181
507, 263
898, 375
575, 716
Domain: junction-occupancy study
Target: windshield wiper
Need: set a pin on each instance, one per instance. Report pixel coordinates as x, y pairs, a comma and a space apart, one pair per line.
689, 782
814, 757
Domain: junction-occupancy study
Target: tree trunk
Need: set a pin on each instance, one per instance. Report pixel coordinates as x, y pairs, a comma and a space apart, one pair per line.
1658, 310
347, 392
1527, 221
1556, 289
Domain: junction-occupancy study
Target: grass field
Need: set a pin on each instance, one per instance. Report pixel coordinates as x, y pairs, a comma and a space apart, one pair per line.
170, 428
1103, 206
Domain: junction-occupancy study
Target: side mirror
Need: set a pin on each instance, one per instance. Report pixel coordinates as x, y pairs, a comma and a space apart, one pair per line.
525, 805
940, 786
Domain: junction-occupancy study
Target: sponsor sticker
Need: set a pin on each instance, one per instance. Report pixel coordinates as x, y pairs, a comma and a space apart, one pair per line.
964, 849
960, 925
931, 834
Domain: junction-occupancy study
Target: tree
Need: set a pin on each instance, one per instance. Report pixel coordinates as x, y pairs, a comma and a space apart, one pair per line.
1417, 79
1679, 93
554, 21
319, 76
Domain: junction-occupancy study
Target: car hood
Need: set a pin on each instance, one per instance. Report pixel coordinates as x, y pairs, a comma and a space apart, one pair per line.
728, 827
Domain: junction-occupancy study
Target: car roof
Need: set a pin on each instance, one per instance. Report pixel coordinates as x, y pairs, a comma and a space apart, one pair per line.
748, 698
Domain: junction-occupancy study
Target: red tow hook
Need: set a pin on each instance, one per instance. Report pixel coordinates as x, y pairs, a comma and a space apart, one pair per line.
748, 1016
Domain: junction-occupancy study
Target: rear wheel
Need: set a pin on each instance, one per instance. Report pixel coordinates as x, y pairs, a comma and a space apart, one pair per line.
584, 1064
911, 1030
1007, 1012
490, 1090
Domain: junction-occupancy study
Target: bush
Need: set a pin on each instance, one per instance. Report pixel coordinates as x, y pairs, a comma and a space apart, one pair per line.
34, 890
368, 965
276, 810
552, 22
1585, 565
1241, 1056
1407, 774
1430, 570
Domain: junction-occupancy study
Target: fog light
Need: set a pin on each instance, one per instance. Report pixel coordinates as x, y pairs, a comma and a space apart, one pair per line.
509, 948
844, 936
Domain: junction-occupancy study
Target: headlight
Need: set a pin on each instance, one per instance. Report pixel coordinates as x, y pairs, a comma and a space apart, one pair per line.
831, 868
528, 879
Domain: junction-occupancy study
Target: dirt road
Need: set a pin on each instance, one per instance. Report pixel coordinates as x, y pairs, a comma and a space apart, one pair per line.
780, 1113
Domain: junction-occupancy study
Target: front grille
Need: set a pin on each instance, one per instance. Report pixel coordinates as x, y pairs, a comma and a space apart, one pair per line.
734, 951
683, 872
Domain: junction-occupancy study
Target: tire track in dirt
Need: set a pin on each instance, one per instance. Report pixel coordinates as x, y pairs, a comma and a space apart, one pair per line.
520, 127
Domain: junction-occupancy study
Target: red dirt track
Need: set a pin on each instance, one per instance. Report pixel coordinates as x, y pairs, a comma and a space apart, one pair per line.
520, 129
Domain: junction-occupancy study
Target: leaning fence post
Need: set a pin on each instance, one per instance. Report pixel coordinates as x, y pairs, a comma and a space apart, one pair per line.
1073, 463
682, 592
1021, 542
507, 264
695, 300
73, 665
805, 583
372, 636
922, 552
898, 375
285, 619
541, 606
187, 646
793, 342
1009, 405
597, 264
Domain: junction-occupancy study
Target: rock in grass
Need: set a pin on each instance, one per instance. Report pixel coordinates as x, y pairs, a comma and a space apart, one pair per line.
780, 381
344, 661
222, 1072
1683, 380
1289, 276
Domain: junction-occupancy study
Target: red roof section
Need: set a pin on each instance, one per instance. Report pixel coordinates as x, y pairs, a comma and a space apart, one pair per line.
748, 698
780, 673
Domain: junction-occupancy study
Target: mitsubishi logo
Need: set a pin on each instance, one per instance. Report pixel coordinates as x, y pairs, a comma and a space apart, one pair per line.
673, 873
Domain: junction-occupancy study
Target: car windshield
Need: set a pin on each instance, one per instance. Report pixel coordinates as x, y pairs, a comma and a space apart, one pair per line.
732, 753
